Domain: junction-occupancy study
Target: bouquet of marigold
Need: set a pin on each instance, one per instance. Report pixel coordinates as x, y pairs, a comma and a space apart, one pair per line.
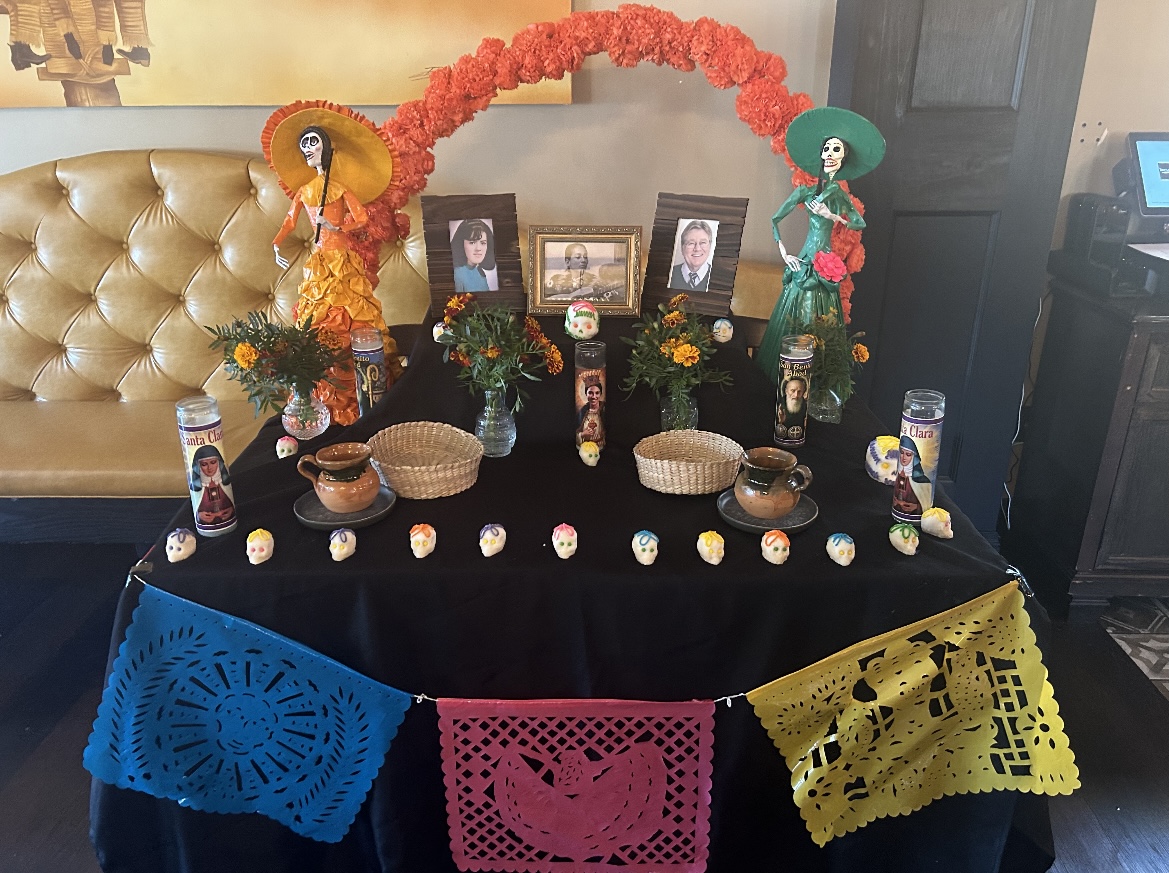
671, 354
835, 354
271, 359
494, 348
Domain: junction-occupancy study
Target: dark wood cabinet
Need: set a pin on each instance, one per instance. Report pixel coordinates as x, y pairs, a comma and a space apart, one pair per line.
1090, 512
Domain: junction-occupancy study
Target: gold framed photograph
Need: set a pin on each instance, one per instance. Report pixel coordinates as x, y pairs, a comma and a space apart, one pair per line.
599, 264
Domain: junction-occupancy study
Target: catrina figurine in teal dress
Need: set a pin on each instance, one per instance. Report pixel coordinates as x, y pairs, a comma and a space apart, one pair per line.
835, 144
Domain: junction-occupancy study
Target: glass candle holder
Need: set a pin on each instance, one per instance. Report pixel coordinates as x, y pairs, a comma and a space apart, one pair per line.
208, 478
369, 364
922, 413
791, 398
591, 393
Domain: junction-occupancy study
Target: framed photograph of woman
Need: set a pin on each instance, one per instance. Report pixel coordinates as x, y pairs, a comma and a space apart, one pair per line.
597, 264
472, 245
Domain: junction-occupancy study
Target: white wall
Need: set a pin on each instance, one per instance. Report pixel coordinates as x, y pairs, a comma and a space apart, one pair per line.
629, 134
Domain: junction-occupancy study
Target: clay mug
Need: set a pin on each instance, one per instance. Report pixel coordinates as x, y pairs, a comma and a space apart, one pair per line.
770, 482
346, 482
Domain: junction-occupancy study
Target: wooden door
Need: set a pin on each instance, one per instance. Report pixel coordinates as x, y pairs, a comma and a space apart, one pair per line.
977, 101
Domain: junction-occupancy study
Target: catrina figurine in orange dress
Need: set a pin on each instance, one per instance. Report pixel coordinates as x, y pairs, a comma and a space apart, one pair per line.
327, 154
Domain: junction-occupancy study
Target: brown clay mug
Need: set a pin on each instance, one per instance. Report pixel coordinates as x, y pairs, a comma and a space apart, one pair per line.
346, 482
770, 482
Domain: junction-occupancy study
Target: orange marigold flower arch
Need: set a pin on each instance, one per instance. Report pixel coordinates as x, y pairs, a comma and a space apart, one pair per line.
630, 34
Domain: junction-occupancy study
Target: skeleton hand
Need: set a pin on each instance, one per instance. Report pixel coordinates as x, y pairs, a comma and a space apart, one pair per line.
281, 261
818, 208
792, 261
326, 224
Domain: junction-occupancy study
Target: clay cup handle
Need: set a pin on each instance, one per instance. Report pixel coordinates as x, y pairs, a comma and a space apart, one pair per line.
307, 459
800, 478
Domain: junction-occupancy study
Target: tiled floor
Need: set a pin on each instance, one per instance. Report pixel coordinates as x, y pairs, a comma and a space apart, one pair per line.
1140, 626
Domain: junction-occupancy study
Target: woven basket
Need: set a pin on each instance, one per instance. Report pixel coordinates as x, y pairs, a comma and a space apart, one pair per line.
687, 461
424, 459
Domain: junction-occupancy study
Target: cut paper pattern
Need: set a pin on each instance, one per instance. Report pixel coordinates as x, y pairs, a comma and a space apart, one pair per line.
223, 716
554, 786
955, 703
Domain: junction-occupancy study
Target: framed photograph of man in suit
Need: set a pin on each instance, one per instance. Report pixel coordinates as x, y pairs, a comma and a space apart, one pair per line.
694, 248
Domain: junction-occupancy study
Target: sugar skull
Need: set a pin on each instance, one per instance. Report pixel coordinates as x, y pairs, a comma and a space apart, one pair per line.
286, 447
423, 539
180, 544
260, 546
936, 522
342, 543
564, 540
904, 538
581, 320
841, 548
438, 330
589, 452
722, 330
492, 539
710, 546
881, 459
645, 547
776, 546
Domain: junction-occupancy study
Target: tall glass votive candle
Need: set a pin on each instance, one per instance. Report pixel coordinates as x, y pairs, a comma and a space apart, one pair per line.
369, 363
922, 414
591, 393
791, 398
208, 478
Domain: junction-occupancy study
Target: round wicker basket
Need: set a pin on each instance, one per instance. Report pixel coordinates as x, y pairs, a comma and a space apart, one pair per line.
425, 459
687, 461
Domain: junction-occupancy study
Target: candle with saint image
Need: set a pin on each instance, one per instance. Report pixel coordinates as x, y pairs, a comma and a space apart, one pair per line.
922, 414
205, 465
590, 390
791, 400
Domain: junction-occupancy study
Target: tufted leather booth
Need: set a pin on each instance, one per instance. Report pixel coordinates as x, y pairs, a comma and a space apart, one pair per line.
110, 266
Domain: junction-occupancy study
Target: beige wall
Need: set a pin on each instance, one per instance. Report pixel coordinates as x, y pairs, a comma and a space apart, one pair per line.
630, 134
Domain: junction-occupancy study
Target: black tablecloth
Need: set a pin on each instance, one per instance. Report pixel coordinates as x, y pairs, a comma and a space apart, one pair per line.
525, 624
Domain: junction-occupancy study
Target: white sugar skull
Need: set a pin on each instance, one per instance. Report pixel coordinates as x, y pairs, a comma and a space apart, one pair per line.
438, 330
776, 546
180, 544
841, 548
286, 447
492, 539
881, 459
564, 540
342, 543
711, 547
904, 538
581, 320
936, 522
260, 546
722, 330
423, 539
589, 452
832, 154
645, 547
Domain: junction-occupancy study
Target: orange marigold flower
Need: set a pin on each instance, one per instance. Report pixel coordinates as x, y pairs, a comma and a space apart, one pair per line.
329, 338
246, 355
666, 349
460, 358
491, 352
686, 355
532, 328
860, 352
553, 360
678, 299
673, 319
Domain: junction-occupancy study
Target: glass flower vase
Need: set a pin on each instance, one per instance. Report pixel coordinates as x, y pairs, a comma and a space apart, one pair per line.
825, 405
679, 411
495, 424
304, 416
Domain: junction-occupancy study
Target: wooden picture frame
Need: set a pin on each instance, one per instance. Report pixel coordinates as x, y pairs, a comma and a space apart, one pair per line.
607, 273
723, 217
443, 217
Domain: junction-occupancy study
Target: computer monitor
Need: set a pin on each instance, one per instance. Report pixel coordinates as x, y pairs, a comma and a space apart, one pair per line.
1149, 153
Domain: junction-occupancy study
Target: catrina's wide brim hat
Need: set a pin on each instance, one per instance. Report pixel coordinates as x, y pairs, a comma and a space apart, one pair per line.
364, 158
808, 130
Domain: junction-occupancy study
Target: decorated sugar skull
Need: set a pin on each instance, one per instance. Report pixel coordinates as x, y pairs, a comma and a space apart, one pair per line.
711, 547
180, 544
438, 330
841, 548
722, 330
564, 540
581, 320
645, 547
936, 522
260, 546
776, 546
881, 459
904, 538
589, 452
286, 447
492, 539
342, 543
423, 539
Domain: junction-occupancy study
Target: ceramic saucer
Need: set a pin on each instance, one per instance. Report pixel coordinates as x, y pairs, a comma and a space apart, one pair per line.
800, 517
312, 513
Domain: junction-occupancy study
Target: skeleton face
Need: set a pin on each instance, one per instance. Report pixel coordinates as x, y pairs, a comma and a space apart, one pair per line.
492, 539
438, 330
286, 447
581, 320
841, 548
564, 540
342, 543
180, 545
832, 154
881, 459
904, 538
589, 452
936, 523
645, 547
260, 546
722, 330
422, 540
710, 546
776, 546
312, 147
